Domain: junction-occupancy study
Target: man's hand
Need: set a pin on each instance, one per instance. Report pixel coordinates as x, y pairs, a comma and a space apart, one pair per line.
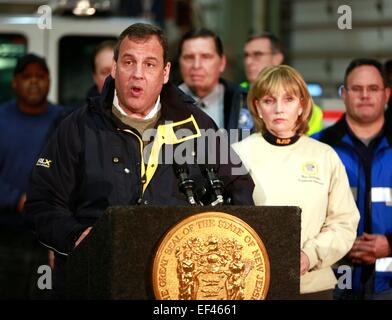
51, 259
369, 247
82, 236
21, 203
305, 264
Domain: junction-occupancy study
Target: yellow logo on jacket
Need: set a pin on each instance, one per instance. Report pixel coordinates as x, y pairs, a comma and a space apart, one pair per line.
43, 163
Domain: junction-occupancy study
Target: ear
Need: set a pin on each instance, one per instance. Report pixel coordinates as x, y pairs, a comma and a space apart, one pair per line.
387, 93
301, 107
277, 59
114, 70
344, 92
166, 73
222, 66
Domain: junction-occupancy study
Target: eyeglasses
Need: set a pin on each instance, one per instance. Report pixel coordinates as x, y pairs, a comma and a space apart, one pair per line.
257, 55
359, 90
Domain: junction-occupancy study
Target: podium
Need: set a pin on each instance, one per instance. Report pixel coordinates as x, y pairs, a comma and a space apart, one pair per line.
115, 260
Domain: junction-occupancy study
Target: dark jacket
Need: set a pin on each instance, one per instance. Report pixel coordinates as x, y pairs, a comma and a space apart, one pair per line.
235, 111
388, 112
235, 107
92, 92
369, 171
94, 161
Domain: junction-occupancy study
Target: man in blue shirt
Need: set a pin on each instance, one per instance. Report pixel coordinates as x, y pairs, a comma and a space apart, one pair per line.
363, 140
24, 125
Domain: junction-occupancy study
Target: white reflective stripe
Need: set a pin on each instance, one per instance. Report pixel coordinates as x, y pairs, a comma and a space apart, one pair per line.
53, 249
354, 192
384, 265
382, 195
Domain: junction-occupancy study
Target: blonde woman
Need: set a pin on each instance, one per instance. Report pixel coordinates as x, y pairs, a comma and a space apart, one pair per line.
289, 168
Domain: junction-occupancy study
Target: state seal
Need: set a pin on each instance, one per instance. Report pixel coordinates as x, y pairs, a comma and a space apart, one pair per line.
211, 256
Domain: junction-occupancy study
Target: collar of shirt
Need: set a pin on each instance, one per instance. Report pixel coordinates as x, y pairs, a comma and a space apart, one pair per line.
150, 115
213, 99
212, 104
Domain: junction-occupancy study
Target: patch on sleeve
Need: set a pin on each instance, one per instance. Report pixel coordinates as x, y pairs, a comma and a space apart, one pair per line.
44, 162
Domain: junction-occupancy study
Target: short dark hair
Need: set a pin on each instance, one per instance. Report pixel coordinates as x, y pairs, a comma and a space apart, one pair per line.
364, 62
27, 59
276, 43
107, 44
143, 31
202, 33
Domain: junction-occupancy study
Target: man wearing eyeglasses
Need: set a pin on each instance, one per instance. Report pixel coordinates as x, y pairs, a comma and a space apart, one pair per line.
263, 50
363, 140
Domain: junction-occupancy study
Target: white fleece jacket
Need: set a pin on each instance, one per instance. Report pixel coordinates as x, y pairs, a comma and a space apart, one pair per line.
310, 175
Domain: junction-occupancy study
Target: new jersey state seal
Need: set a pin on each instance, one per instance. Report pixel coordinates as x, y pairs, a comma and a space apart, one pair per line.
211, 256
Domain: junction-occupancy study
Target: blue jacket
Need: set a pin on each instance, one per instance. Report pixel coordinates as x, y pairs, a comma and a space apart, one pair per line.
369, 170
22, 138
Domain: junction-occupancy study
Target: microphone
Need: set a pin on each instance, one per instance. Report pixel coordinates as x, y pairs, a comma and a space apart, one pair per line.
185, 184
214, 182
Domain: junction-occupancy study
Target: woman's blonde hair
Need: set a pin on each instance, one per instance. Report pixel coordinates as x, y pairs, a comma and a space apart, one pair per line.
269, 81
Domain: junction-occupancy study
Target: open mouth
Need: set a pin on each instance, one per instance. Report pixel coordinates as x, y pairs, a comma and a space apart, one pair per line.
136, 91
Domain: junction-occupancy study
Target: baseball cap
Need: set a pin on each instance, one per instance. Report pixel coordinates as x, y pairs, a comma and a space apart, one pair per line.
27, 59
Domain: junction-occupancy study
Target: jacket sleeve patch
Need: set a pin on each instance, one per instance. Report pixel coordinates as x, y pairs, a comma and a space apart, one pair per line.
42, 162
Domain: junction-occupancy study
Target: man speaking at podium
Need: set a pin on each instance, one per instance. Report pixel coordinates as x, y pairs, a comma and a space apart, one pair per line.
120, 150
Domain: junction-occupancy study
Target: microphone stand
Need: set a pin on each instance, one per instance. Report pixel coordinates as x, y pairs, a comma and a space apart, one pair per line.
214, 182
185, 184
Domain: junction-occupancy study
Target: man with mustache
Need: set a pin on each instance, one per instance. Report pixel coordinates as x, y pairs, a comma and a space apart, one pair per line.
363, 140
